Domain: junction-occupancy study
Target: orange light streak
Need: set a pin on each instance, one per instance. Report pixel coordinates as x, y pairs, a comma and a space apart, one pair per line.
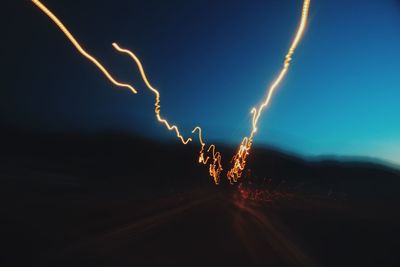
79, 47
239, 160
201, 153
155, 91
215, 168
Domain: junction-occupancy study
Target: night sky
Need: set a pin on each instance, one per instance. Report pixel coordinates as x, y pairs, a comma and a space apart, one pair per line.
212, 62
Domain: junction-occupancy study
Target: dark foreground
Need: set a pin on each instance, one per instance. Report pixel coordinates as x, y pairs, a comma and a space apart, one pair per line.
106, 207
198, 229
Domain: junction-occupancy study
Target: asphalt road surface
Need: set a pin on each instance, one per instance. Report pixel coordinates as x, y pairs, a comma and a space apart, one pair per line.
201, 228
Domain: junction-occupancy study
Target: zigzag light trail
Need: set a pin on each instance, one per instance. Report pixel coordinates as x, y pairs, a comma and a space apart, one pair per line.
155, 91
203, 145
215, 167
79, 47
239, 160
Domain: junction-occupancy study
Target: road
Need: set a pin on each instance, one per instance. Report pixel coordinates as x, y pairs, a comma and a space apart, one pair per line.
216, 228
207, 231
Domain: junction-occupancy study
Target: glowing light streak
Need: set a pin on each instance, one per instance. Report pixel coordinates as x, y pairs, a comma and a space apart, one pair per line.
79, 47
215, 168
239, 160
201, 153
155, 91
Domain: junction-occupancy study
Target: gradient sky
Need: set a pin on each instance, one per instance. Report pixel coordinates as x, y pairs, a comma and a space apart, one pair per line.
212, 62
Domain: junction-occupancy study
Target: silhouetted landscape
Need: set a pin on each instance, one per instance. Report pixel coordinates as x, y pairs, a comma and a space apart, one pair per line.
117, 200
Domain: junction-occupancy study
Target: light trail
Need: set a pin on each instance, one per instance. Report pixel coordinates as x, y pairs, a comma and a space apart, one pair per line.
239, 160
215, 167
155, 91
203, 145
79, 47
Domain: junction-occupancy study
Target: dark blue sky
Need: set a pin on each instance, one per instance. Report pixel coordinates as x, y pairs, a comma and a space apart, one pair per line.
212, 62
